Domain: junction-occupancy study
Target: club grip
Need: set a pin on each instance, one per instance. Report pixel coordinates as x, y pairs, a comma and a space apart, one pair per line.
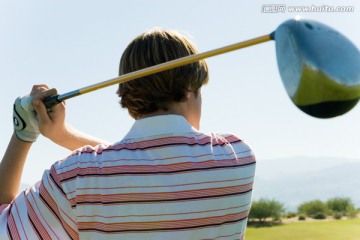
51, 101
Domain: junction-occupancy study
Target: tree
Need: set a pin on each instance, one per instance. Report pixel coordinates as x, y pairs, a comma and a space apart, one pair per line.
313, 208
264, 209
341, 207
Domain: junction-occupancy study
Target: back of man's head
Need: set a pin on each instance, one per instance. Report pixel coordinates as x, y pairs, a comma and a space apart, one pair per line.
151, 93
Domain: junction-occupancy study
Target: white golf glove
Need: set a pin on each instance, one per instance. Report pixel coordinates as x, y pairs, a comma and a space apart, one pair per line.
25, 123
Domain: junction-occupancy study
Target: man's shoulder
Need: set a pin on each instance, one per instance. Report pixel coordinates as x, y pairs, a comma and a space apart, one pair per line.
232, 142
226, 137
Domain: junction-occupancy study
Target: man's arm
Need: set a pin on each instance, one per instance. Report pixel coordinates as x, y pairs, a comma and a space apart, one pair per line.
11, 168
52, 124
73, 139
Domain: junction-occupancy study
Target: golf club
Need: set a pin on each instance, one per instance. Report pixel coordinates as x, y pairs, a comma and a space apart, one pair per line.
319, 68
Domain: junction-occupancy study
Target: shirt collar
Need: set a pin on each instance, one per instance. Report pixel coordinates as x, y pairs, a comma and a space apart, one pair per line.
160, 124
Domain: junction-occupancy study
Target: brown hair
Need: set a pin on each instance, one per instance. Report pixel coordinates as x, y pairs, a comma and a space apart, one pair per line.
154, 92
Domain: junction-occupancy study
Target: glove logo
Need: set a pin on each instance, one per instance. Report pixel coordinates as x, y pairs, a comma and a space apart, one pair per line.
16, 122
19, 123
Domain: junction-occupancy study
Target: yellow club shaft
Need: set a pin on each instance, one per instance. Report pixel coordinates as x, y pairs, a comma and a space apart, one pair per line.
174, 63
157, 68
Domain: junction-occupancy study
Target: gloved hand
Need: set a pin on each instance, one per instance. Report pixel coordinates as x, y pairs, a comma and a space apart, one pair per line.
25, 123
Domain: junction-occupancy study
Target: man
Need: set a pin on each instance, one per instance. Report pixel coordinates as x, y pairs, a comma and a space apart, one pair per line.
164, 180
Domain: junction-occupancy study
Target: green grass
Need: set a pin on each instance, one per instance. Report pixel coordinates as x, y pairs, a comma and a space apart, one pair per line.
332, 230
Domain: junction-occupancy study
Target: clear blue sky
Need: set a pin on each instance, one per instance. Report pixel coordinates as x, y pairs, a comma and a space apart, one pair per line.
72, 44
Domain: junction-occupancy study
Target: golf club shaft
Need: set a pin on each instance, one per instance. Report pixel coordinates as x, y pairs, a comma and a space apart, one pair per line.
51, 101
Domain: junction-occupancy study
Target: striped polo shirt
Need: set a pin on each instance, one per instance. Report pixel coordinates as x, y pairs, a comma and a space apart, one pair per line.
164, 180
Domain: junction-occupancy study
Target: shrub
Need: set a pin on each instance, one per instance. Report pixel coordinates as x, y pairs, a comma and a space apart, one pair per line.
301, 217
319, 215
291, 215
343, 206
351, 211
312, 208
337, 215
264, 208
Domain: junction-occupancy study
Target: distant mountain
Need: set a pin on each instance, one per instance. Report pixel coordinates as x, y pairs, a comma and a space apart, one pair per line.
293, 181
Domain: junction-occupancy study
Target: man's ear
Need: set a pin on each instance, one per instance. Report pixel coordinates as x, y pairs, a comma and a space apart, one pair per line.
188, 95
